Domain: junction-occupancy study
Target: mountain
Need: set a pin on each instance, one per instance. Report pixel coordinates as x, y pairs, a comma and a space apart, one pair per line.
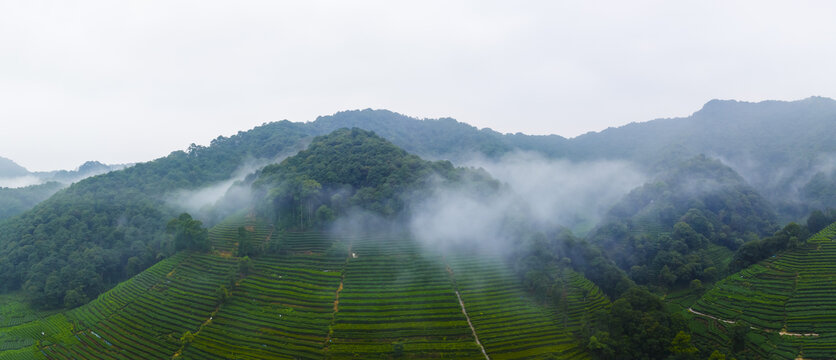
10, 169
116, 207
21, 190
715, 185
277, 282
347, 169
88, 169
776, 146
781, 148
103, 229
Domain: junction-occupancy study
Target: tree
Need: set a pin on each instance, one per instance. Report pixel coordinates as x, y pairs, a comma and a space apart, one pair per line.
738, 336
245, 266
324, 214
246, 245
717, 355
397, 349
681, 346
75, 297
189, 234
666, 277
222, 293
309, 190
696, 285
817, 221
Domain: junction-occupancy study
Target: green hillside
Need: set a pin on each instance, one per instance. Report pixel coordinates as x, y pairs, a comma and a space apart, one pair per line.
322, 296
783, 307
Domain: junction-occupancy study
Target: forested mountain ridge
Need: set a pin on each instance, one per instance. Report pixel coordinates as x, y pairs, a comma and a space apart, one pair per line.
106, 228
21, 190
350, 168
682, 226
794, 172
795, 130
14, 201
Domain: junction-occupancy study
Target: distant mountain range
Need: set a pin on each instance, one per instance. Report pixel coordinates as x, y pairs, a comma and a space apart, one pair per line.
782, 148
10, 170
21, 189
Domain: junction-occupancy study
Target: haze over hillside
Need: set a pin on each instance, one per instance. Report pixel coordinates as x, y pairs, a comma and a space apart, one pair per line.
575, 231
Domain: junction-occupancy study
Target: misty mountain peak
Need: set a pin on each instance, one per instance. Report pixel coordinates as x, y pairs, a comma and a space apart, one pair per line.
9, 168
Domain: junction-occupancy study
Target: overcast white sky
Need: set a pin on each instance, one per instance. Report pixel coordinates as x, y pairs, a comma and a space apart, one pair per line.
128, 81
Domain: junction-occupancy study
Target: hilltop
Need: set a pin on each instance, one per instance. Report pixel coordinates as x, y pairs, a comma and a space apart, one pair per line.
9, 169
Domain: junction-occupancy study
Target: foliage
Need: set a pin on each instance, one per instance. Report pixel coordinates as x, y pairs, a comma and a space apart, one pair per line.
540, 258
83, 237
17, 200
790, 237
664, 231
188, 233
345, 169
788, 292
637, 327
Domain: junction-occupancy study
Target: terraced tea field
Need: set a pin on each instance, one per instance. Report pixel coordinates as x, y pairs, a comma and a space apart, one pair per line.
316, 297
788, 302
506, 321
394, 300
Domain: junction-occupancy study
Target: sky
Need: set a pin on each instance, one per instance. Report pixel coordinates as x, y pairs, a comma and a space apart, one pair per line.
130, 81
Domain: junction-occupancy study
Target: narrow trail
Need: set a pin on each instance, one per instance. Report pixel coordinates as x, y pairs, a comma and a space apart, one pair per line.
464, 311
710, 317
476, 337
782, 332
337, 298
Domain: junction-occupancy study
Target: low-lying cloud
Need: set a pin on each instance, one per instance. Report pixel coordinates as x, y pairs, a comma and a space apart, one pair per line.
538, 192
213, 202
20, 181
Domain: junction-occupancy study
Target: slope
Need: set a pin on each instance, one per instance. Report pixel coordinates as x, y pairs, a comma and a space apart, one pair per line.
780, 308
10, 169
780, 147
350, 168
84, 237
667, 231
14, 201
326, 296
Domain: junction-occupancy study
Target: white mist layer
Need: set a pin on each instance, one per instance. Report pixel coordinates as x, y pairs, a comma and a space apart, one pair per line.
540, 192
204, 201
20, 181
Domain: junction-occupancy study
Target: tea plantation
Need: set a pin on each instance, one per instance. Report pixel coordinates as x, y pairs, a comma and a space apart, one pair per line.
316, 296
781, 308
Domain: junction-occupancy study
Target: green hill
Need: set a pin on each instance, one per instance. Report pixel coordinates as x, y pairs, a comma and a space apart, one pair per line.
327, 296
783, 307
84, 237
666, 232
14, 201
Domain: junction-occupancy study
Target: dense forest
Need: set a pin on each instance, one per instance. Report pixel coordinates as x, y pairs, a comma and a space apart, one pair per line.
109, 227
14, 201
666, 233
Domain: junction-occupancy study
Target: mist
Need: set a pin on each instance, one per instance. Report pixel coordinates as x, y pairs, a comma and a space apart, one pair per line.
783, 185
213, 202
20, 181
562, 192
537, 193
